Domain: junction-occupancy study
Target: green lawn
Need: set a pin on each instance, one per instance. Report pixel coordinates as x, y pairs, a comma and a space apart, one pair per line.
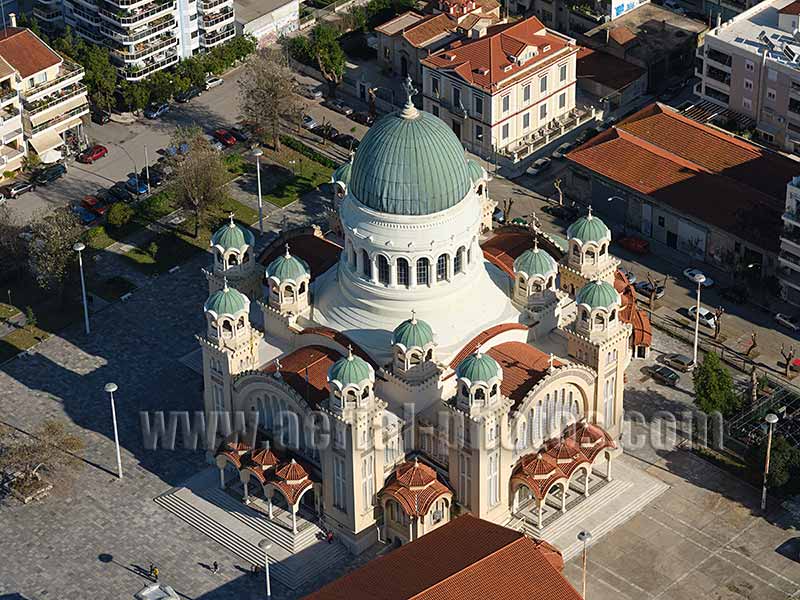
8, 311
19, 340
299, 175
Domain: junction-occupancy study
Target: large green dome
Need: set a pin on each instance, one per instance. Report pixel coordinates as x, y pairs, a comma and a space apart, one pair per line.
413, 333
350, 370
589, 229
232, 236
227, 301
478, 367
598, 294
535, 262
288, 267
410, 163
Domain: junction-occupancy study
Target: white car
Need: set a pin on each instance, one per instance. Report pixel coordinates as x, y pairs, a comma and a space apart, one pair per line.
213, 81
690, 274
309, 122
707, 317
562, 150
788, 321
539, 166
215, 143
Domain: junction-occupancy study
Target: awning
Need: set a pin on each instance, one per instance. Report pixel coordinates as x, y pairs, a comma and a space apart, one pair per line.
51, 156
59, 109
44, 141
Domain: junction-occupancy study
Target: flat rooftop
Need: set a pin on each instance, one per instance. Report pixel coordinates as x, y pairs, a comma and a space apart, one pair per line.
250, 10
655, 24
399, 23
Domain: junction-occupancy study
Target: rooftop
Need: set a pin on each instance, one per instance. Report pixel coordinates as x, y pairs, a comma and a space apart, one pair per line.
689, 167
320, 254
607, 70
306, 370
24, 51
250, 10
465, 559
523, 367
509, 243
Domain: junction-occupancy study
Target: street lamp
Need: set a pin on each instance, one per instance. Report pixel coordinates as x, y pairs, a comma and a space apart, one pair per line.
700, 280
110, 389
266, 546
79, 247
585, 537
147, 168
258, 153
771, 419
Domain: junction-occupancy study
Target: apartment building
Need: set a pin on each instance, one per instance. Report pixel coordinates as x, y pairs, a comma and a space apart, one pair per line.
789, 256
145, 36
43, 99
505, 89
751, 66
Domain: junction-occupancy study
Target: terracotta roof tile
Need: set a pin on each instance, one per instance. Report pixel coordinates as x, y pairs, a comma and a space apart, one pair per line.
415, 487
523, 367
340, 338
320, 254
622, 35
24, 51
423, 33
606, 69
631, 313
509, 243
466, 559
791, 9
481, 339
312, 362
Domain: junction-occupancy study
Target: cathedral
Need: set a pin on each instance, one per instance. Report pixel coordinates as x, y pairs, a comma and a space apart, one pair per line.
414, 364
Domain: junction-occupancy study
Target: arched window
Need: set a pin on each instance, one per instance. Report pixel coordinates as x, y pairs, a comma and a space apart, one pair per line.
288, 292
613, 315
402, 272
469, 255
276, 292
603, 249
246, 257
429, 354
521, 284
219, 256
480, 190
441, 268
227, 327
423, 271
458, 263
479, 394
464, 390
536, 287
584, 315
365, 393
599, 320
366, 264
414, 358
353, 258
575, 250
590, 256
383, 269
494, 390
241, 322
302, 289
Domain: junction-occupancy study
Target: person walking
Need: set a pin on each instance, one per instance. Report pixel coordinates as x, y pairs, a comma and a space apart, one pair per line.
155, 574
215, 567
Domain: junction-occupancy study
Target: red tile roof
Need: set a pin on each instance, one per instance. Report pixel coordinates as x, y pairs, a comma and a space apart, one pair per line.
481, 339
320, 254
622, 35
422, 33
523, 367
24, 51
490, 62
312, 362
340, 338
606, 69
791, 9
415, 488
466, 559
631, 313
690, 167
503, 248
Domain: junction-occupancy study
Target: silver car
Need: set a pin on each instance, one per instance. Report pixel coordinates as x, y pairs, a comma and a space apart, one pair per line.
681, 362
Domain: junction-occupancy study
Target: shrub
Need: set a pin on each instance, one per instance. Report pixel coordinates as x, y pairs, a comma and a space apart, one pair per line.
152, 250
157, 206
300, 147
120, 215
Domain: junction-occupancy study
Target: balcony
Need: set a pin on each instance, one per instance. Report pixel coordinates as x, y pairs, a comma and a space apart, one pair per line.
88, 16
70, 114
127, 18
9, 155
145, 49
792, 218
8, 95
135, 72
216, 19
37, 106
789, 276
212, 4
789, 260
68, 71
218, 37
151, 30
718, 75
722, 59
587, 11
47, 14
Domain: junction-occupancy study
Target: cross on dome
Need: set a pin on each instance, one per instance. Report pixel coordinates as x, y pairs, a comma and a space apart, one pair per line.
589, 216
232, 224
224, 283
287, 250
413, 317
277, 364
350, 352
551, 360
409, 110
536, 243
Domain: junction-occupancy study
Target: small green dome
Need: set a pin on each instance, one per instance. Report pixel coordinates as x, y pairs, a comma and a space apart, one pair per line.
589, 229
227, 301
350, 370
410, 163
342, 174
598, 294
476, 172
413, 333
287, 267
233, 236
535, 262
478, 367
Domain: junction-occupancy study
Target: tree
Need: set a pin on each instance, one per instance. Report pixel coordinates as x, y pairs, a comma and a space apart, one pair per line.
160, 86
300, 49
50, 449
329, 55
267, 93
31, 162
135, 95
50, 249
508, 203
788, 356
100, 77
718, 312
557, 185
753, 343
119, 215
191, 70
713, 387
784, 461
11, 244
31, 23
199, 176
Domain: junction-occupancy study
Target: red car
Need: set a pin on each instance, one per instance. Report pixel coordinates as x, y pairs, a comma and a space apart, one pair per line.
635, 244
94, 204
225, 136
90, 155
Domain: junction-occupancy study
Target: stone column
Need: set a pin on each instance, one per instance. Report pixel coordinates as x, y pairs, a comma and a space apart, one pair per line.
586, 482
539, 513
246, 498
564, 498
294, 518
608, 468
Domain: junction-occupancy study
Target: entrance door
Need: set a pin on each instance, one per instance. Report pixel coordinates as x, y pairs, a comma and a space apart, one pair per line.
672, 239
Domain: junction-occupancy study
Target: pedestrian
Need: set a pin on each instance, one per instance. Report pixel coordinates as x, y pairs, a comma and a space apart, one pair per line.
150, 571
215, 567
155, 574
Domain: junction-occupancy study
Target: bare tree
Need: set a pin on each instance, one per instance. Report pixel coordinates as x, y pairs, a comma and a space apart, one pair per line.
788, 356
199, 176
753, 343
267, 93
11, 244
557, 185
718, 312
508, 203
51, 248
653, 289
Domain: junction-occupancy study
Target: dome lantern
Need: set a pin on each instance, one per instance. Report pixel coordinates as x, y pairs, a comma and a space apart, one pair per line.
589, 229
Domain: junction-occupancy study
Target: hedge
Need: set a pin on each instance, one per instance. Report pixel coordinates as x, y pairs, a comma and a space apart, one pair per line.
300, 147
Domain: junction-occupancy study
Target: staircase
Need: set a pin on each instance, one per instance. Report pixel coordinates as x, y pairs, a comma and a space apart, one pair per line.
293, 560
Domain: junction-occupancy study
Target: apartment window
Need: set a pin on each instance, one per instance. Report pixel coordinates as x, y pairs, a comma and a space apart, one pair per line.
526, 120
543, 84
31, 82
543, 111
506, 103
562, 72
41, 77
526, 93
505, 131
219, 398
660, 221
748, 84
367, 480
478, 133
494, 480
772, 74
747, 103
195, 33
562, 100
749, 65
338, 483
386, 53
193, 17
608, 400
435, 110
456, 97
423, 267
771, 95
767, 137
435, 86
464, 479
478, 104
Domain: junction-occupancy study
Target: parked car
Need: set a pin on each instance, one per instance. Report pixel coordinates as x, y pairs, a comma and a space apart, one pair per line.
136, 185
345, 140
788, 321
707, 318
92, 154
86, 216
664, 375
241, 133
690, 274
156, 176
12, 190
327, 131
309, 122
565, 213
213, 81
363, 117
105, 196
586, 135
737, 295
156, 109
338, 106
539, 166
225, 136
679, 361
94, 204
184, 97
629, 275
120, 193
562, 150
635, 244
50, 174
311, 92
499, 216
101, 117
645, 288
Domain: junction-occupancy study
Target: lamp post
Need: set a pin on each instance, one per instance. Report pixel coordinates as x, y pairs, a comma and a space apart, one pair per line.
699, 279
258, 153
111, 388
147, 168
585, 537
771, 419
79, 247
266, 546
